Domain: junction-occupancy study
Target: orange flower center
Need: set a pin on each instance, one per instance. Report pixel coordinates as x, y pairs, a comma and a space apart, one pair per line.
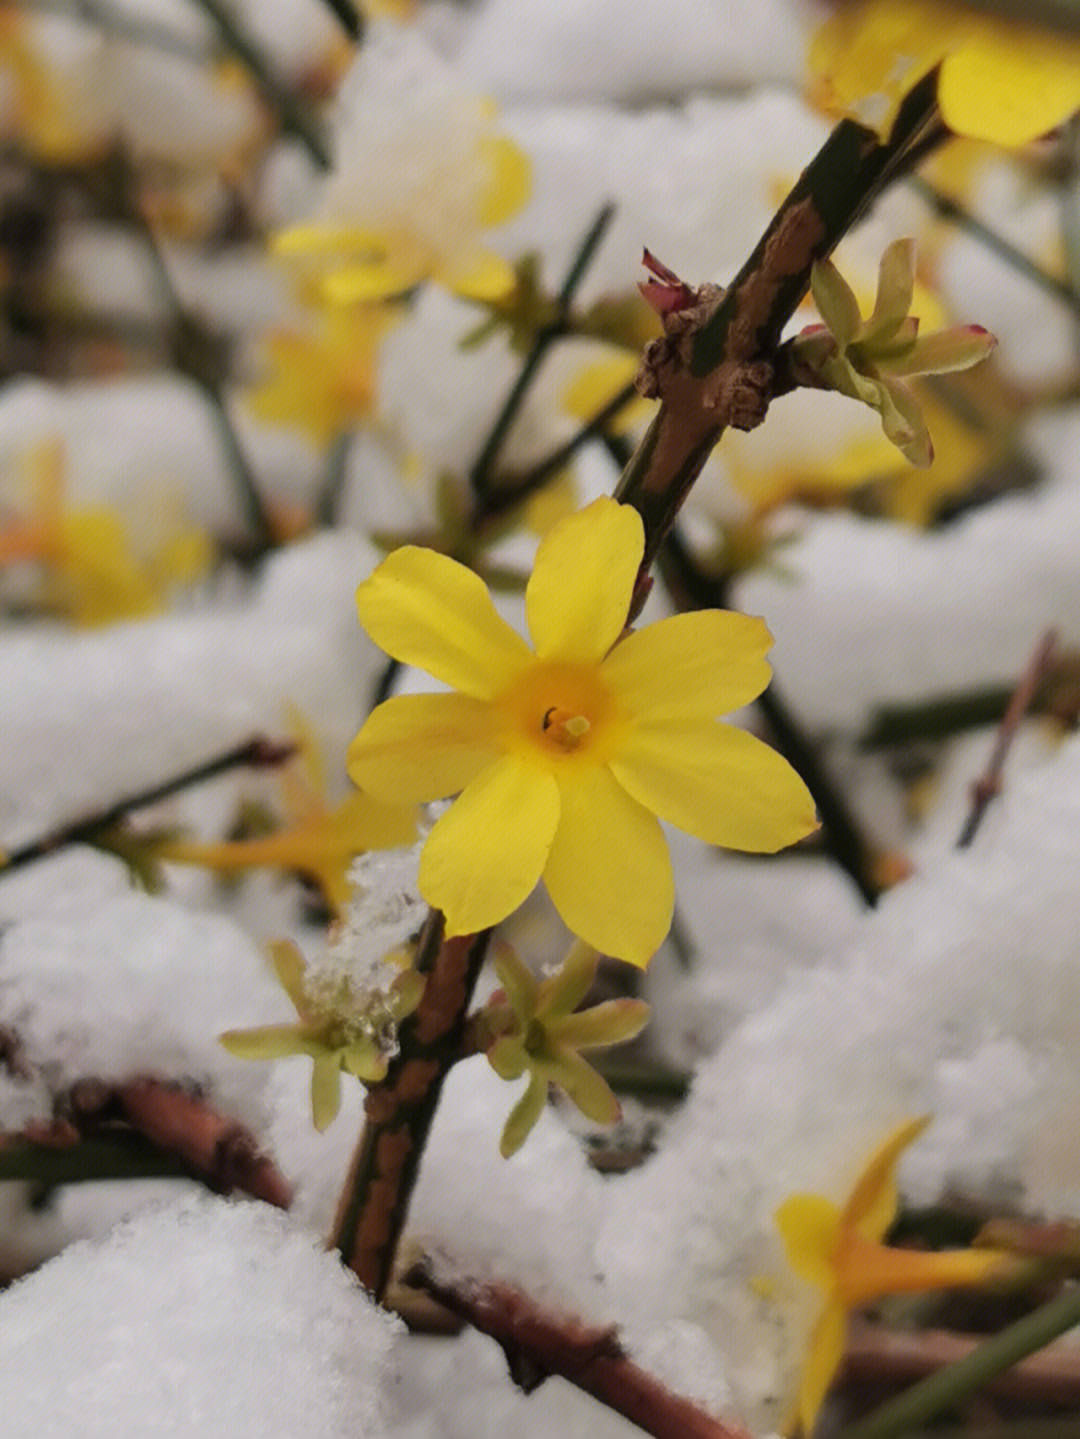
561, 710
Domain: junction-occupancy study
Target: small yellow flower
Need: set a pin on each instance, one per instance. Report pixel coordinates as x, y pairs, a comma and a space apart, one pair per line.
547, 1038
323, 381
566, 755
343, 1029
839, 1251
420, 173
1005, 80
320, 840
91, 573
869, 360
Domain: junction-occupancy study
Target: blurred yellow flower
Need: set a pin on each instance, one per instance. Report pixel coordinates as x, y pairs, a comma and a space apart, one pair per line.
1005, 80
319, 840
91, 572
568, 756
838, 1249
323, 380
420, 173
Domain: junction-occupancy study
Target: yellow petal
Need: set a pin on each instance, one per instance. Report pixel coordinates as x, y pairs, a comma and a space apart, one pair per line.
523, 1116
415, 748
270, 1041
867, 1270
809, 1225
871, 1205
826, 1350
325, 1090
361, 822
482, 276
510, 182
703, 664
716, 782
609, 871
427, 610
290, 968
578, 595
376, 280
483, 858
1009, 85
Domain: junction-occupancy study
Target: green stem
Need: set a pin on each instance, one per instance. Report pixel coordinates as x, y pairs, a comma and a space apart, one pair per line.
294, 116
949, 209
482, 472
88, 1160
333, 485
349, 17
256, 753
955, 1383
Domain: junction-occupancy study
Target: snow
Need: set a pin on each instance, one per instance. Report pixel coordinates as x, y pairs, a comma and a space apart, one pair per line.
205, 1318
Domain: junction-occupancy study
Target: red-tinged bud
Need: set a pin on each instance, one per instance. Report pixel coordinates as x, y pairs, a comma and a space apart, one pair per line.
666, 293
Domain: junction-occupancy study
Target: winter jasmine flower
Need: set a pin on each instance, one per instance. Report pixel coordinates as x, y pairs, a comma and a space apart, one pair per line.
839, 1250
420, 173
1003, 78
341, 1027
547, 1037
870, 359
567, 756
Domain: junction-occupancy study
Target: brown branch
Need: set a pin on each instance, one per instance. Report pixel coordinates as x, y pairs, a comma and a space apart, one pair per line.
400, 1110
538, 1345
988, 785
896, 1358
257, 753
212, 1147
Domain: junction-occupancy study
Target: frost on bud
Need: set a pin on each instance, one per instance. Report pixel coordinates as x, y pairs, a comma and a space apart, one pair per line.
340, 1025
870, 359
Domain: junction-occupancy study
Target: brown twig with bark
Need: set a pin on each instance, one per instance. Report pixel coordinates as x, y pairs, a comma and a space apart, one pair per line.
988, 786
538, 1345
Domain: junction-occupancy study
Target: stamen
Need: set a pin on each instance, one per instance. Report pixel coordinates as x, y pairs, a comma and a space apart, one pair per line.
564, 727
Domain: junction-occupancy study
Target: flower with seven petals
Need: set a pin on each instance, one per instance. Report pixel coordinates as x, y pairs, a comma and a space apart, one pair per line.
547, 1037
567, 756
1003, 78
839, 1250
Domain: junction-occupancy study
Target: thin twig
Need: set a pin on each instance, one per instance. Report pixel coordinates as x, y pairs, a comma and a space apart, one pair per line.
950, 209
352, 22
399, 1111
988, 785
140, 1128
975, 1369
690, 588
294, 117
257, 753
480, 476
538, 1345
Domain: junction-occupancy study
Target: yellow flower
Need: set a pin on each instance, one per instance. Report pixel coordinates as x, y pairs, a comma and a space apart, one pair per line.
320, 840
1003, 80
92, 574
420, 173
323, 381
341, 1027
839, 1250
545, 1032
565, 755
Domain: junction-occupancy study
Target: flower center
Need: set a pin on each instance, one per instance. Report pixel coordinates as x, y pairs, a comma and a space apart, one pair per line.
564, 727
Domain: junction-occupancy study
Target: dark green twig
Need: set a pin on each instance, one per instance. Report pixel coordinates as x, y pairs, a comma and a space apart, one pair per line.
352, 22
294, 117
949, 209
480, 476
949, 1386
138, 29
692, 589
258, 753
333, 486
